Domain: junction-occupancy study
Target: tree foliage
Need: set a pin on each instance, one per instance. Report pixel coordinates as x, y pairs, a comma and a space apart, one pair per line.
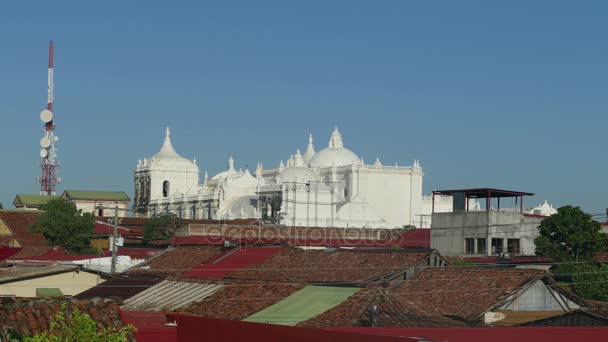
1, 207
10, 335
570, 235
161, 227
80, 328
65, 226
588, 280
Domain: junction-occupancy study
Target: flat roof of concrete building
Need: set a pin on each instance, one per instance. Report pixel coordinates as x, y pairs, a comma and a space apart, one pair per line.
483, 193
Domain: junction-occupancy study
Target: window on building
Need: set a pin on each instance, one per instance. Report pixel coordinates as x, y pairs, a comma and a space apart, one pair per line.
193, 212
469, 246
497, 246
481, 246
166, 189
99, 212
513, 246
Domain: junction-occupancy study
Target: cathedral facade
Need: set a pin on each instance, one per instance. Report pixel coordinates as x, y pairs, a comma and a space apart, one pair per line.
329, 188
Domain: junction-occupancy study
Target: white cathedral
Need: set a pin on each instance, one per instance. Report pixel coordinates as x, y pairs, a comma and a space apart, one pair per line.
329, 188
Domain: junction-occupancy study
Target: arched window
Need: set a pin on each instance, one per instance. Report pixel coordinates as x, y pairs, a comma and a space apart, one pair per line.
166, 189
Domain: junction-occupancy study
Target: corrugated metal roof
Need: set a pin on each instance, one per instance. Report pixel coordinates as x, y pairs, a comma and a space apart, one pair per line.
35, 200
303, 305
96, 195
169, 295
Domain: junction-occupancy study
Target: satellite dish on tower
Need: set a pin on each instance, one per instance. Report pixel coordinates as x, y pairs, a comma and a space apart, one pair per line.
45, 142
44, 153
46, 116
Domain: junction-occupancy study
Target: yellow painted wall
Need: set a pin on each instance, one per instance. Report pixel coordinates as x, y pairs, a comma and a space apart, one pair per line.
70, 283
99, 244
4, 229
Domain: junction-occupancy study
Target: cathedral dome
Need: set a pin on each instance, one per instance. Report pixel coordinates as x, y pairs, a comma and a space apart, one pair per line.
336, 154
167, 157
298, 174
230, 173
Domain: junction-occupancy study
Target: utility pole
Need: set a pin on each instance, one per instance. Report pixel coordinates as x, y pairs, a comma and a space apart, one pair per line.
114, 240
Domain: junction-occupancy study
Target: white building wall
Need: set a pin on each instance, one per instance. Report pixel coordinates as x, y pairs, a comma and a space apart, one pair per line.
396, 196
70, 284
107, 206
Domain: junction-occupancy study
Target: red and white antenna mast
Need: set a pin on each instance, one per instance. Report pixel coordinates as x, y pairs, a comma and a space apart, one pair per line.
48, 178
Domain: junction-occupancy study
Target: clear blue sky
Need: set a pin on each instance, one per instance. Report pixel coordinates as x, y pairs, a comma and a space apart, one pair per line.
506, 94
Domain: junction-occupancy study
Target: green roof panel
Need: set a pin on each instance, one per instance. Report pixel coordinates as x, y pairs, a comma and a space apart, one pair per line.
303, 305
96, 195
31, 200
48, 292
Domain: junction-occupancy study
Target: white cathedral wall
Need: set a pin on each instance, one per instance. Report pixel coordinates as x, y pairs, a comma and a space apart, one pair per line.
180, 182
308, 208
396, 196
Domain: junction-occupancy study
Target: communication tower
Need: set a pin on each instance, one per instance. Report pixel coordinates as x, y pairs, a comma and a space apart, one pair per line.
48, 164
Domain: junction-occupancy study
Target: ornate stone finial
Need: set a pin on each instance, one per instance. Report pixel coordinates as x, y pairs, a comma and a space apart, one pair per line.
310, 150
281, 166
298, 160
258, 171
231, 163
206, 177
167, 132
336, 139
377, 163
194, 160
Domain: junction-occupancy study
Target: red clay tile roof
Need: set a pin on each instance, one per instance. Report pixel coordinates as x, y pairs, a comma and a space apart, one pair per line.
299, 236
179, 259
337, 266
600, 257
240, 300
391, 311
463, 292
233, 260
18, 222
501, 261
31, 316
102, 228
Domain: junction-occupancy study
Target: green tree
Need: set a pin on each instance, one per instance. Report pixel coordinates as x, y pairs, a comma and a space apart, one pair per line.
81, 328
65, 226
570, 235
10, 335
1, 207
588, 280
161, 227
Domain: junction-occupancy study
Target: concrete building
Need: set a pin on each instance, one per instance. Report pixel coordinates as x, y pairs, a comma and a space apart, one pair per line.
487, 230
333, 187
46, 281
99, 203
